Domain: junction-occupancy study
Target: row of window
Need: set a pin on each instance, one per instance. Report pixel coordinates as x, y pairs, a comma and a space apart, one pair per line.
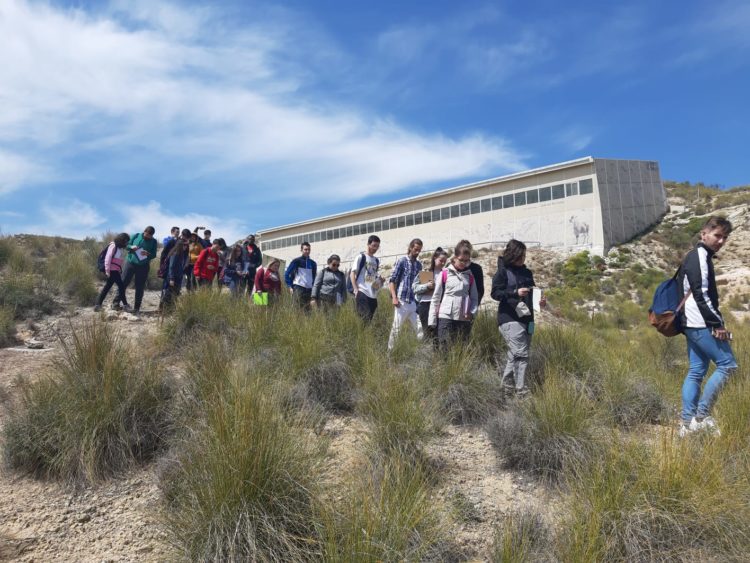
527, 197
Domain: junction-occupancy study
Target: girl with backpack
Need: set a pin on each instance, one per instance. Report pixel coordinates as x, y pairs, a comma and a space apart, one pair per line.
113, 263
455, 300
195, 247
512, 287
176, 260
329, 287
235, 270
423, 292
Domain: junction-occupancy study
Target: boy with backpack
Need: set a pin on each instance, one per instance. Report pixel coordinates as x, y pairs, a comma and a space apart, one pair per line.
703, 325
363, 280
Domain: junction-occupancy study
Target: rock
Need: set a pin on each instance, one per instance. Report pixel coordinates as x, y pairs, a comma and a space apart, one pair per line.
34, 344
84, 518
131, 318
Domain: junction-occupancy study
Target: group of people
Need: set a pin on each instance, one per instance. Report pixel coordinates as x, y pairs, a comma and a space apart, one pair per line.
439, 303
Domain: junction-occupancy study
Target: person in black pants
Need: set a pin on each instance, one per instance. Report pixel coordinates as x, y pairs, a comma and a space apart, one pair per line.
141, 250
113, 261
254, 258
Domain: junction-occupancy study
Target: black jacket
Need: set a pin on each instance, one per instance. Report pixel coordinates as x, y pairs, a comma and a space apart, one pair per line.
478, 273
506, 292
696, 275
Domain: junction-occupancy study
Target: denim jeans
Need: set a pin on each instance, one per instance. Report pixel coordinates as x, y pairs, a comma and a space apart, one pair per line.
702, 349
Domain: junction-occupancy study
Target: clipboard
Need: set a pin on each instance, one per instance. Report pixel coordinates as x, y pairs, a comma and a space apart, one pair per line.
425, 276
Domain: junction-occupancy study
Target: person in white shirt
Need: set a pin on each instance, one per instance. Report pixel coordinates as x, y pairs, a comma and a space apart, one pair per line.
366, 281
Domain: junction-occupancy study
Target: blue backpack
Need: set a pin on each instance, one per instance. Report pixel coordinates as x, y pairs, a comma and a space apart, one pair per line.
665, 308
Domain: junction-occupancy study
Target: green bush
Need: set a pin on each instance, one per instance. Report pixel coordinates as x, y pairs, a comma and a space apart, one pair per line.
523, 536
7, 326
73, 275
244, 480
99, 412
22, 293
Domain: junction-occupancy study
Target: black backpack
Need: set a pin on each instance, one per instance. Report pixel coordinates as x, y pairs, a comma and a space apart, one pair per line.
101, 259
349, 286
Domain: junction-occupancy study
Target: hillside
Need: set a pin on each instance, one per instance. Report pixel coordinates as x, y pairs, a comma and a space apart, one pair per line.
411, 457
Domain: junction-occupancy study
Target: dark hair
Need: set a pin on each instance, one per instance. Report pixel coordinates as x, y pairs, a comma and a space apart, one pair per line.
718, 222
414, 242
186, 233
121, 240
462, 249
177, 250
466, 243
150, 230
373, 238
206, 232
304, 244
217, 241
222, 242
334, 257
173, 229
514, 250
435, 255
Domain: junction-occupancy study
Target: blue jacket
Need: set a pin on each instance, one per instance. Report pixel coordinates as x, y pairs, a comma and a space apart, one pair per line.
301, 263
176, 270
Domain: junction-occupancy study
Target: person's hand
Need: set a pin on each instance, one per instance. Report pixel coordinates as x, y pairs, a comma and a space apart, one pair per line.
431, 285
543, 302
396, 302
469, 316
523, 291
291, 291
721, 334
313, 303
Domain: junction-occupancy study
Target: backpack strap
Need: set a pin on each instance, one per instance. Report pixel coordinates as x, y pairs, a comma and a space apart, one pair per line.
362, 265
444, 274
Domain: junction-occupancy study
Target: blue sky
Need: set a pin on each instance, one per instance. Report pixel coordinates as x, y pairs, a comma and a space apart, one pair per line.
245, 115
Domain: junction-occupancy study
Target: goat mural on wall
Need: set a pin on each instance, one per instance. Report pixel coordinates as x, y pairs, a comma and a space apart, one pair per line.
580, 230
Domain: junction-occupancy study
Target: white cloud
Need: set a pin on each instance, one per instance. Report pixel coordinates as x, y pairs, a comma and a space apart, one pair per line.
138, 217
66, 217
17, 170
187, 89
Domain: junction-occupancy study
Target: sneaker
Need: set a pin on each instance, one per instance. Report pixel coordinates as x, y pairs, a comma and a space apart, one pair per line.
136, 312
97, 308
695, 425
684, 430
709, 424
127, 308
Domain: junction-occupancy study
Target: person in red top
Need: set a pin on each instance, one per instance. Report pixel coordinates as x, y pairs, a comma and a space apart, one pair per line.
268, 280
207, 265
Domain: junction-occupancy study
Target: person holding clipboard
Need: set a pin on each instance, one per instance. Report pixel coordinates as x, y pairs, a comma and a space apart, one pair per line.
141, 250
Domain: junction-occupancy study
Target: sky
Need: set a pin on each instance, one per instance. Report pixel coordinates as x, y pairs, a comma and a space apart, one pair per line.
244, 115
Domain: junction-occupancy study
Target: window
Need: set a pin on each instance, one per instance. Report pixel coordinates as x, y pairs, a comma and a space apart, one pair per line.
427, 216
532, 196
370, 228
323, 235
394, 223
350, 231
497, 202
401, 222
571, 189
329, 235
455, 211
545, 194
417, 218
508, 200
465, 209
316, 237
445, 213
474, 207
336, 233
486, 205
520, 198
558, 191
586, 186
355, 230
436, 215
378, 226
409, 220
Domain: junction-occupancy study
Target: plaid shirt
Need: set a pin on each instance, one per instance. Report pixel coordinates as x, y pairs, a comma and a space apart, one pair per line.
404, 273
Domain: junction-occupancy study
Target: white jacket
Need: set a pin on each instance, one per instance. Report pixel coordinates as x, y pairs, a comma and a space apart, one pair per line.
456, 298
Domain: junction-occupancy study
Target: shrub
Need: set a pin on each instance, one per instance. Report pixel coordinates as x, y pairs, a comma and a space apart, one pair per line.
546, 432
485, 337
100, 411
203, 312
632, 400
523, 536
669, 501
243, 483
329, 385
73, 275
562, 349
19, 292
7, 326
390, 516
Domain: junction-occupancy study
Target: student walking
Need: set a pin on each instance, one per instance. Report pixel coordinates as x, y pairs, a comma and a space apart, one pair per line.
366, 281
174, 273
401, 285
708, 339
113, 264
268, 282
254, 259
141, 250
300, 275
423, 292
207, 265
329, 287
235, 270
174, 232
476, 270
195, 248
455, 300
511, 286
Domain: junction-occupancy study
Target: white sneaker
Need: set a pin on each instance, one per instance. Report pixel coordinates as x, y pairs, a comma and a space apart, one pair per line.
709, 424
686, 429
695, 425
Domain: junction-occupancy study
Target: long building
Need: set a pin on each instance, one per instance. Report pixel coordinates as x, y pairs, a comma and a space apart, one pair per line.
588, 203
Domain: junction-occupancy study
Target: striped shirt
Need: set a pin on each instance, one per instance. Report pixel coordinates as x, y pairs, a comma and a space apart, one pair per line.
404, 273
